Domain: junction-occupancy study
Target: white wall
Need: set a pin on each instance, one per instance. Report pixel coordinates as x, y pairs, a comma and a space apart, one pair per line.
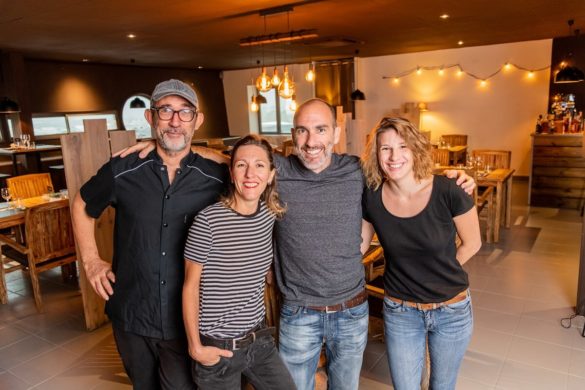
237, 98
499, 116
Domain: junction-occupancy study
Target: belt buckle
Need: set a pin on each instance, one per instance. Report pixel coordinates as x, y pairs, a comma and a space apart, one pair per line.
329, 311
235, 340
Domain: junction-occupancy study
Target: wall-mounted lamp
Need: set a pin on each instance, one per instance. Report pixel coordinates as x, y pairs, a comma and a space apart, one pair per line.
137, 103
422, 107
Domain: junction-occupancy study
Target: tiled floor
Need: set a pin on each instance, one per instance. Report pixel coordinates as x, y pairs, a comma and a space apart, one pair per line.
521, 289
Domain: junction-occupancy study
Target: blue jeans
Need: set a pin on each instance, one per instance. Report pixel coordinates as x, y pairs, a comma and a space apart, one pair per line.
345, 334
448, 330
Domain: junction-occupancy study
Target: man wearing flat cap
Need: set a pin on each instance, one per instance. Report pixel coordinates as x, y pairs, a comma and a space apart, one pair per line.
155, 199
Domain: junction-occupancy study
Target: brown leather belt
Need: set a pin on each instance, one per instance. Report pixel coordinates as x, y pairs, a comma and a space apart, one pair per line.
352, 302
431, 306
238, 342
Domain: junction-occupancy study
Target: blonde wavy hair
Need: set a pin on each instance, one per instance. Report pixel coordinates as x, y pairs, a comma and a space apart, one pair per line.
270, 195
415, 141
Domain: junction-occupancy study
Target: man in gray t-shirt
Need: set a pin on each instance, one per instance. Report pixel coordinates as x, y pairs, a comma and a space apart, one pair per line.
318, 259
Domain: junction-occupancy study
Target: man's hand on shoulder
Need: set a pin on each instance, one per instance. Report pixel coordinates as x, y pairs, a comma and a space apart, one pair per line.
463, 179
144, 147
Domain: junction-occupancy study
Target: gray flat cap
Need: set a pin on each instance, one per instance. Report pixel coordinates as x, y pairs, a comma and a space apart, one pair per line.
174, 87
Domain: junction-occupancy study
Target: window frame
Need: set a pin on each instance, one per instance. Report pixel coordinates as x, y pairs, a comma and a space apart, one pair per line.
67, 116
279, 130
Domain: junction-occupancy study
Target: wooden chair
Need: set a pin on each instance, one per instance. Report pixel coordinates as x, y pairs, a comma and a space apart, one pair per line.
455, 139
494, 158
49, 242
440, 156
288, 147
28, 186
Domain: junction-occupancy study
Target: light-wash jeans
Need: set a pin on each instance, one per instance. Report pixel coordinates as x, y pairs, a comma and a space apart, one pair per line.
448, 329
345, 334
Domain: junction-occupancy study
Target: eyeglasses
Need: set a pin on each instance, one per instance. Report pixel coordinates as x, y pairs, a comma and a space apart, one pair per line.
167, 113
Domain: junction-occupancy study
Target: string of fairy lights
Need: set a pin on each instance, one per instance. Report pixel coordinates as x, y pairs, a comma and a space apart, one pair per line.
442, 69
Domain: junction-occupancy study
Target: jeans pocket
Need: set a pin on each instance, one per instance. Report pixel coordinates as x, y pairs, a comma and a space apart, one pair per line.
289, 310
218, 368
393, 307
458, 307
357, 312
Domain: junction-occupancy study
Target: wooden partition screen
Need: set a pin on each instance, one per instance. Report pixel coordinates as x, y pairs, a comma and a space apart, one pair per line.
83, 154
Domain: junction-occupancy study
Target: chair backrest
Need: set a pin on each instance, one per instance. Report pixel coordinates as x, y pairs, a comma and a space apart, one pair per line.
440, 156
28, 186
494, 158
49, 232
288, 147
455, 139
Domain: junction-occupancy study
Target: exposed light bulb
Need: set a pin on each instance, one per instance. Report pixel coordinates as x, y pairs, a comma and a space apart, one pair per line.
396, 80
530, 74
460, 43
508, 66
310, 75
418, 71
293, 104
275, 78
286, 88
254, 107
441, 72
263, 83
459, 73
483, 83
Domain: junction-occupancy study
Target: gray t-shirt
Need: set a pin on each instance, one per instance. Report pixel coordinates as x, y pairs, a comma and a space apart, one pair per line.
317, 247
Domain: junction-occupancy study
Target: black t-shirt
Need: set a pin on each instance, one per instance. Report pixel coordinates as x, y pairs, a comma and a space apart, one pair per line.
420, 250
151, 225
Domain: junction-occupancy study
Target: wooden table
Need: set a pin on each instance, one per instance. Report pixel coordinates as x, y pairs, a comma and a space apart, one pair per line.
501, 179
14, 217
33, 156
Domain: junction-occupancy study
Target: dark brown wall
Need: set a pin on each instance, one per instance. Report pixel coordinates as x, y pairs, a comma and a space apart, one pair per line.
562, 48
73, 87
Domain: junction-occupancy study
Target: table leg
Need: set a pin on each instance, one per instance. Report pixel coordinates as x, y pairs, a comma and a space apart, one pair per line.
508, 201
498, 216
14, 165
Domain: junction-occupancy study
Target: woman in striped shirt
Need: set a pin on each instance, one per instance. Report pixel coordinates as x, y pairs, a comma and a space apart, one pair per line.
227, 255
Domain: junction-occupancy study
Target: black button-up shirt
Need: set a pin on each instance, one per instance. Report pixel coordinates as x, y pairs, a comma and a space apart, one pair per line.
151, 226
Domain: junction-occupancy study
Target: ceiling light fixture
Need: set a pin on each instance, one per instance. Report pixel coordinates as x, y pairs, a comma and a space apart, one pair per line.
357, 94
131, 36
8, 106
310, 75
444, 16
460, 43
290, 36
569, 74
254, 107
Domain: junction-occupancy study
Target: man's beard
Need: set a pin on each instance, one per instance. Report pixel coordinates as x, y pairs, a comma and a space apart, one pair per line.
172, 146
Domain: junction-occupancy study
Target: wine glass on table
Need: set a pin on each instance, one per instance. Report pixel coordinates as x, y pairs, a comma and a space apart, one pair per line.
5, 193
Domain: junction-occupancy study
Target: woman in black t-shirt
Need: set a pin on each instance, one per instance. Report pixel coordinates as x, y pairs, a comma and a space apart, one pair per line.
416, 216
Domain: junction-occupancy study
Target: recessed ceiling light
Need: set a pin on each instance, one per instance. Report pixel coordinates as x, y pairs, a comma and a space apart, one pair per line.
444, 16
200, 67
131, 36
85, 60
460, 43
